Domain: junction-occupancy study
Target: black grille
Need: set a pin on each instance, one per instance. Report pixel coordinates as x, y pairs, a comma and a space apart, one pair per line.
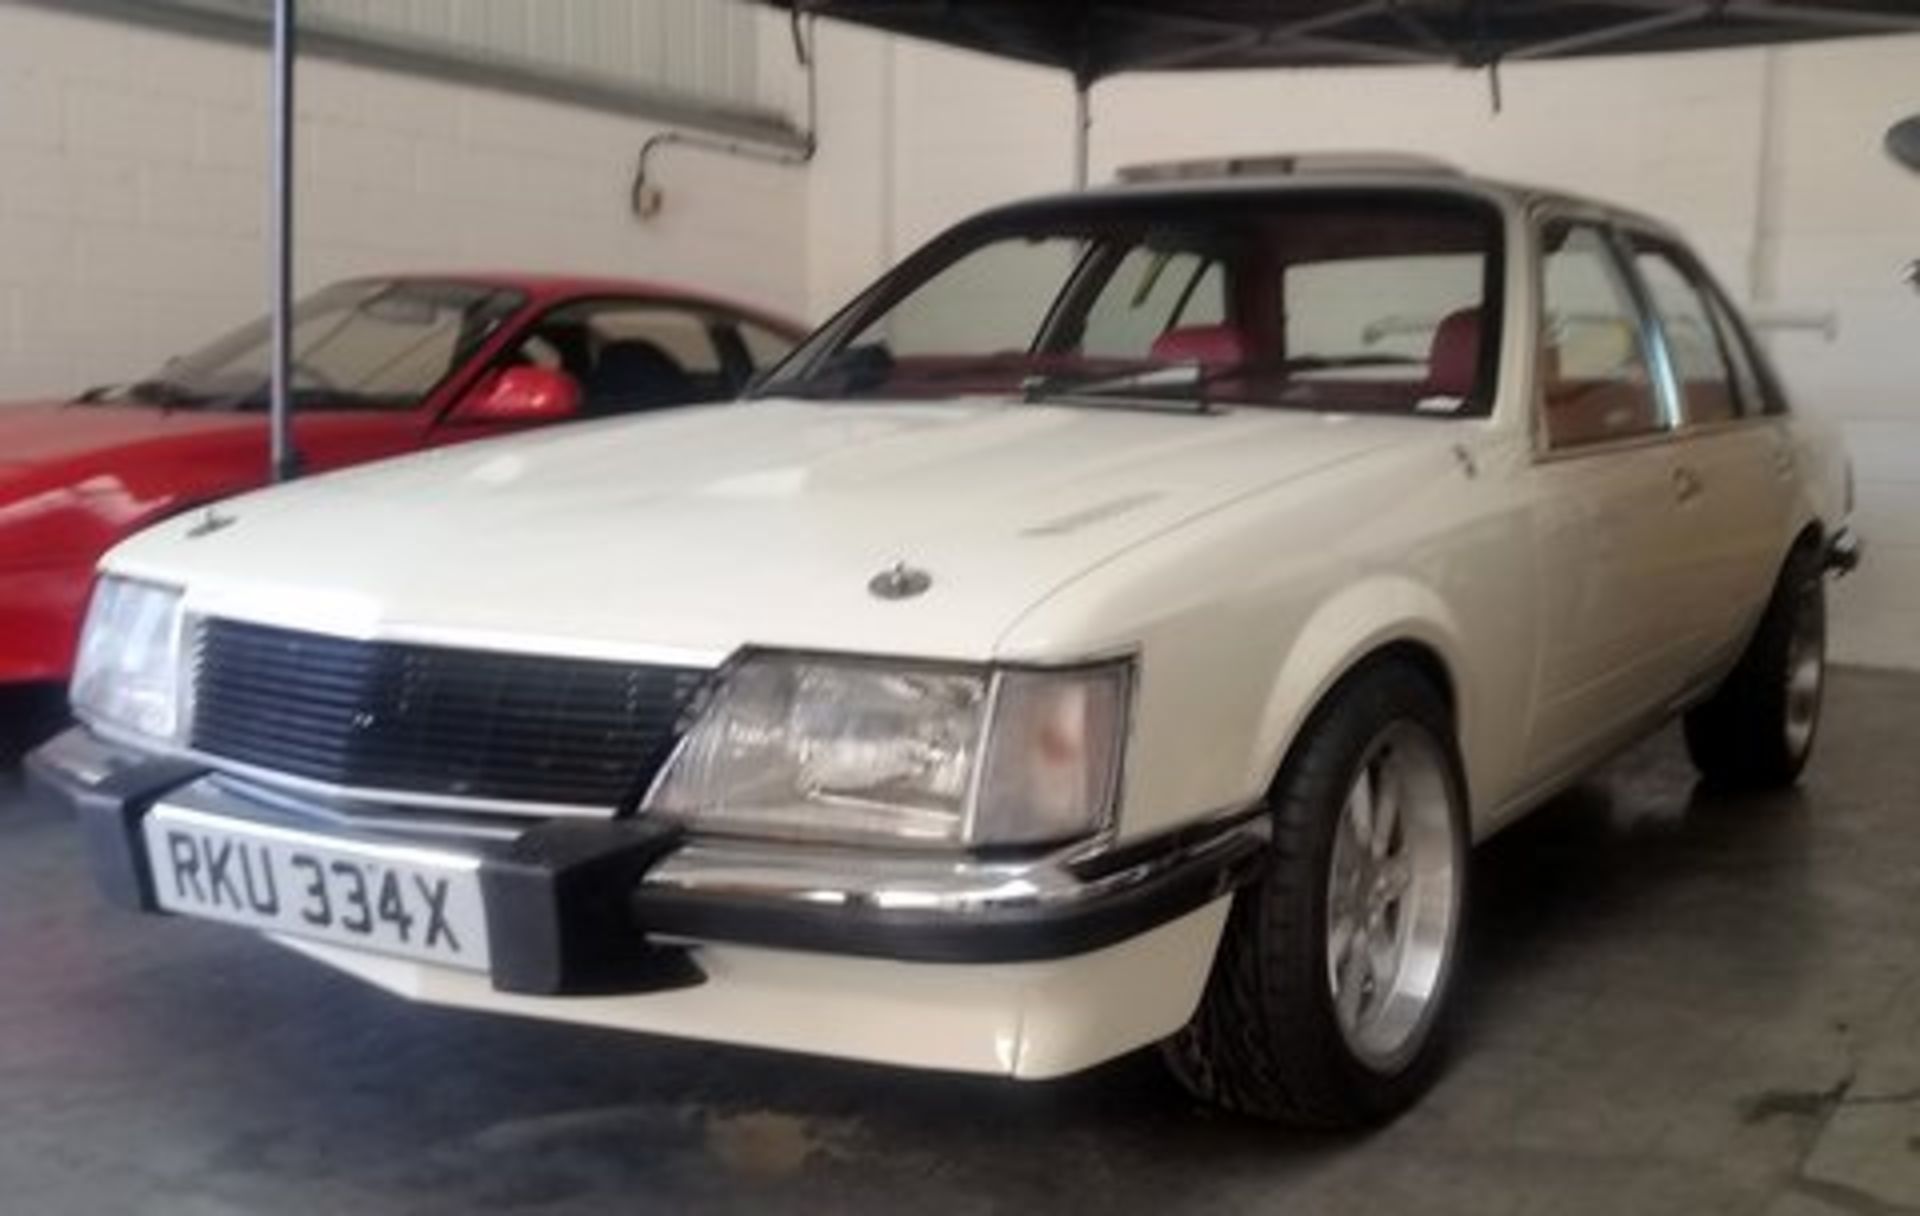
435, 720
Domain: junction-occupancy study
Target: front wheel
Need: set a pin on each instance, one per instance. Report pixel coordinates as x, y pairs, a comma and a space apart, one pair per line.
1757, 730
1327, 1002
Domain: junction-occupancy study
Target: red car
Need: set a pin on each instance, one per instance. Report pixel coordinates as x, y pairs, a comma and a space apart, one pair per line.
381, 367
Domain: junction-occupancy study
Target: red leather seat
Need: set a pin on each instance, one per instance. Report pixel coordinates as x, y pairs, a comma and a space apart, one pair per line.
1453, 361
1208, 345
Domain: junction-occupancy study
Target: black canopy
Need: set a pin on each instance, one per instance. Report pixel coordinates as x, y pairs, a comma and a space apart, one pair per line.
1096, 38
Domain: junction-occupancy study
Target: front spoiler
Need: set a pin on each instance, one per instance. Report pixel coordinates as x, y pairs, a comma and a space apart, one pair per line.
594, 907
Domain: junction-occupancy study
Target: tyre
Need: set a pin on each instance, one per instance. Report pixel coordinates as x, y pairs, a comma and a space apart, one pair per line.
1757, 730
1328, 1000
30, 714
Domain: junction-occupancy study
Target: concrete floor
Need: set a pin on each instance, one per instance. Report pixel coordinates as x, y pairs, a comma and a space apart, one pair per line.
1679, 1004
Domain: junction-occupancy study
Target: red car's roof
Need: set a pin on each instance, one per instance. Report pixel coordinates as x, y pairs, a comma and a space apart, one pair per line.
547, 288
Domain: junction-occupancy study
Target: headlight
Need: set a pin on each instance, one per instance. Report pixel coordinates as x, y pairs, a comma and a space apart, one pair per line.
803, 747
128, 671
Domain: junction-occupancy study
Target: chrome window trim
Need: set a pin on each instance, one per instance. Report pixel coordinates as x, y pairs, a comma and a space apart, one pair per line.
1651, 439
1540, 214
1653, 332
1636, 241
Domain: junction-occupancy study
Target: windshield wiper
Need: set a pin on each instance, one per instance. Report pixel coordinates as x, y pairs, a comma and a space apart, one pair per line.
1152, 383
1068, 386
167, 394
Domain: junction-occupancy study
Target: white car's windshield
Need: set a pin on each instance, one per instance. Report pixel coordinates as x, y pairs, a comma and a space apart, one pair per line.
369, 344
1381, 301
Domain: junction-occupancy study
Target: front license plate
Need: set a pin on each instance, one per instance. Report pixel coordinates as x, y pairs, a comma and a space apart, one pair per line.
389, 898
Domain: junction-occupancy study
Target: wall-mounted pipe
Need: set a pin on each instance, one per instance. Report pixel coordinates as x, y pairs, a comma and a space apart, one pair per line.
646, 197
1082, 131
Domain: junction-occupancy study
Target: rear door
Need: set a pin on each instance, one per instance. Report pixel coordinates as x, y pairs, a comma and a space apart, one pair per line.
1733, 462
1605, 507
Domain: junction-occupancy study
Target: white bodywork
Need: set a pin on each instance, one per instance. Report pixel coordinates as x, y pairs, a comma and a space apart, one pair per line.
1248, 558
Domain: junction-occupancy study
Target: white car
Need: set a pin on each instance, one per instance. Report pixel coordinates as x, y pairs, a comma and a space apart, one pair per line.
1112, 629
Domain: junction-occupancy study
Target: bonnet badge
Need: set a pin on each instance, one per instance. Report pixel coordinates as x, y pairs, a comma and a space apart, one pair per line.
209, 523
899, 582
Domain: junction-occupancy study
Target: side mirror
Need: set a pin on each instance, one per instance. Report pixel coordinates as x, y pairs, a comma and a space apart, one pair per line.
1903, 142
522, 395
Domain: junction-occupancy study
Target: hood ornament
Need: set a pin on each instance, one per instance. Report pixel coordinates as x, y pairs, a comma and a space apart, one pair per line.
899, 582
210, 521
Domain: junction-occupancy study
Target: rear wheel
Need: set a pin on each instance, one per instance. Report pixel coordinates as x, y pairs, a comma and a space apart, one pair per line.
1327, 1002
1757, 730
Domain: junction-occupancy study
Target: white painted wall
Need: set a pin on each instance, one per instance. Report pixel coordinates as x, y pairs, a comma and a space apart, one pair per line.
132, 168
1688, 137
132, 194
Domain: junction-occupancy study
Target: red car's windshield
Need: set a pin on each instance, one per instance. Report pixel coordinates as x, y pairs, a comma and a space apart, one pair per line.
358, 345
1377, 300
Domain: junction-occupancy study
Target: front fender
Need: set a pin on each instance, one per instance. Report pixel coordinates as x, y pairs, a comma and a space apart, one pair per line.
1357, 621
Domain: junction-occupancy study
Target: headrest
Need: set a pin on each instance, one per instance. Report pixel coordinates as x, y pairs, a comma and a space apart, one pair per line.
1453, 362
1207, 345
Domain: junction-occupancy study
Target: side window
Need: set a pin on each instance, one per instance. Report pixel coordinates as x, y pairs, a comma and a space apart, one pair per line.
1734, 339
682, 335
764, 347
1700, 368
1594, 382
1150, 292
629, 355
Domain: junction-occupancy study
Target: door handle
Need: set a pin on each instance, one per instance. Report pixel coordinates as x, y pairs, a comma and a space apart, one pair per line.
1686, 483
1783, 461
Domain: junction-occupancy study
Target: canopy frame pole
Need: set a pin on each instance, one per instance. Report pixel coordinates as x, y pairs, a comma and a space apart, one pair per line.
1620, 32
1801, 13
1307, 35
283, 454
1082, 129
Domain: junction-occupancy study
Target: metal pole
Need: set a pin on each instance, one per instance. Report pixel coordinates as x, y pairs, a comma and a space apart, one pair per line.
1082, 128
1766, 190
285, 456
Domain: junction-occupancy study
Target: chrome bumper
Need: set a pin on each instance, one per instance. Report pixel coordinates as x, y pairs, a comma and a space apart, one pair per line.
575, 905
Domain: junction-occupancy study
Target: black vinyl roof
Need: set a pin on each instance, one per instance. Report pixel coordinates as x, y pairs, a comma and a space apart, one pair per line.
1096, 38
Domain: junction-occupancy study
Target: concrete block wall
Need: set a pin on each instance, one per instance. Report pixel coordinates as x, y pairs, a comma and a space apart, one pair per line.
1769, 159
133, 194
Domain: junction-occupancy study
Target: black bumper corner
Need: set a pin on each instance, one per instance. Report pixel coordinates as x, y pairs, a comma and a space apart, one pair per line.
108, 811
557, 921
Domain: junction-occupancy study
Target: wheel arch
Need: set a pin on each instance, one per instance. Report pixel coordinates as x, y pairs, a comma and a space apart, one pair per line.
1391, 619
1812, 535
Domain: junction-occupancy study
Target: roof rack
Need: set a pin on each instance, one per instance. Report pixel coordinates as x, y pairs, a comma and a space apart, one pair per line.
1284, 164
